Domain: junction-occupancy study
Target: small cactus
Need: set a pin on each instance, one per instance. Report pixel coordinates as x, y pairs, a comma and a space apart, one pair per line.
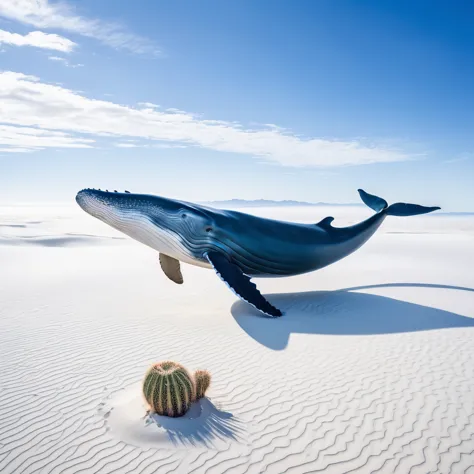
203, 380
169, 389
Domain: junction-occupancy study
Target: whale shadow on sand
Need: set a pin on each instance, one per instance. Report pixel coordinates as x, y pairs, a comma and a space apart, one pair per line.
344, 312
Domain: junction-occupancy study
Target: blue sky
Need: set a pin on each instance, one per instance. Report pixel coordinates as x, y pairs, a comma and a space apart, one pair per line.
305, 100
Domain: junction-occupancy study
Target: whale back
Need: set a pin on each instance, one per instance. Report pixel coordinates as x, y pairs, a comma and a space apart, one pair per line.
269, 247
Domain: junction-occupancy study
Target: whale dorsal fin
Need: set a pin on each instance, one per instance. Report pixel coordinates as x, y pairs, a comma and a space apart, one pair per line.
171, 268
326, 223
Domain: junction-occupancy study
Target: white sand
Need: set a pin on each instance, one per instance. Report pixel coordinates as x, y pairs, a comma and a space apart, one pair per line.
370, 370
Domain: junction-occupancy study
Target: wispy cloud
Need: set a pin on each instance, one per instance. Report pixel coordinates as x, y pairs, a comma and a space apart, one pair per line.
28, 102
126, 145
38, 39
460, 158
64, 61
148, 145
148, 105
16, 139
16, 150
44, 14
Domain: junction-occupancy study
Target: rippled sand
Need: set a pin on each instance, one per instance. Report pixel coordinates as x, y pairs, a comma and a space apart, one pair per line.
370, 370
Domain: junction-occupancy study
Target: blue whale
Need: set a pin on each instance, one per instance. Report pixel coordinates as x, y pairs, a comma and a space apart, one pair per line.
236, 245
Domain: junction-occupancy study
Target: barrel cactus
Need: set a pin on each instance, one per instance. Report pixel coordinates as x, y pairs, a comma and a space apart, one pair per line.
203, 380
169, 389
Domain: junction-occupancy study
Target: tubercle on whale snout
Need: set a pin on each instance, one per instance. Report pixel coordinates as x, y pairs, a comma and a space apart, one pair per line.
126, 191
93, 196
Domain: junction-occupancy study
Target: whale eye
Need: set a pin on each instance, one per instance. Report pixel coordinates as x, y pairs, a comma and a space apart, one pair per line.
184, 216
208, 229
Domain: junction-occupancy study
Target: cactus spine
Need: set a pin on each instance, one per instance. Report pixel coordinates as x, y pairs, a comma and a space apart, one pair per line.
169, 389
203, 380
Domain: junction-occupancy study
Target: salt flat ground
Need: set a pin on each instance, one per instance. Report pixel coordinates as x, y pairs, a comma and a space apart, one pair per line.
370, 370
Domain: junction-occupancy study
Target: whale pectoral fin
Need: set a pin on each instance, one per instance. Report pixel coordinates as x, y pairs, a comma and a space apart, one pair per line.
240, 283
171, 268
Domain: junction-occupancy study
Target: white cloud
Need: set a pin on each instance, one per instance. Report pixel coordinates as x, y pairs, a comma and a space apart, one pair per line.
167, 145
64, 61
126, 145
16, 150
148, 105
37, 39
26, 101
460, 158
149, 145
43, 14
23, 139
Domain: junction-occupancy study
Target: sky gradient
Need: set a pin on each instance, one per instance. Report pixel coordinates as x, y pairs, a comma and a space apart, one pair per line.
215, 100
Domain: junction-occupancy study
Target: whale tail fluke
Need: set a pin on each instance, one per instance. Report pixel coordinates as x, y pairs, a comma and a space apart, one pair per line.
374, 202
405, 209
398, 209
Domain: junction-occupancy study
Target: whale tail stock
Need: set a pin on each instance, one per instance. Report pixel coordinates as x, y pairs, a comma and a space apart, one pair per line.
398, 209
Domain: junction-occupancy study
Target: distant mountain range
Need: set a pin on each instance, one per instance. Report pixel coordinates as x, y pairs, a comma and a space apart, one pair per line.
270, 203
459, 214
238, 203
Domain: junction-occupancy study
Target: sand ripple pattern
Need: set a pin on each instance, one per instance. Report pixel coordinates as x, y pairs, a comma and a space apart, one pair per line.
382, 403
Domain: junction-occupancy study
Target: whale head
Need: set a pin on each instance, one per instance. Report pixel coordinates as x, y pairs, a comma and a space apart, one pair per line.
176, 228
